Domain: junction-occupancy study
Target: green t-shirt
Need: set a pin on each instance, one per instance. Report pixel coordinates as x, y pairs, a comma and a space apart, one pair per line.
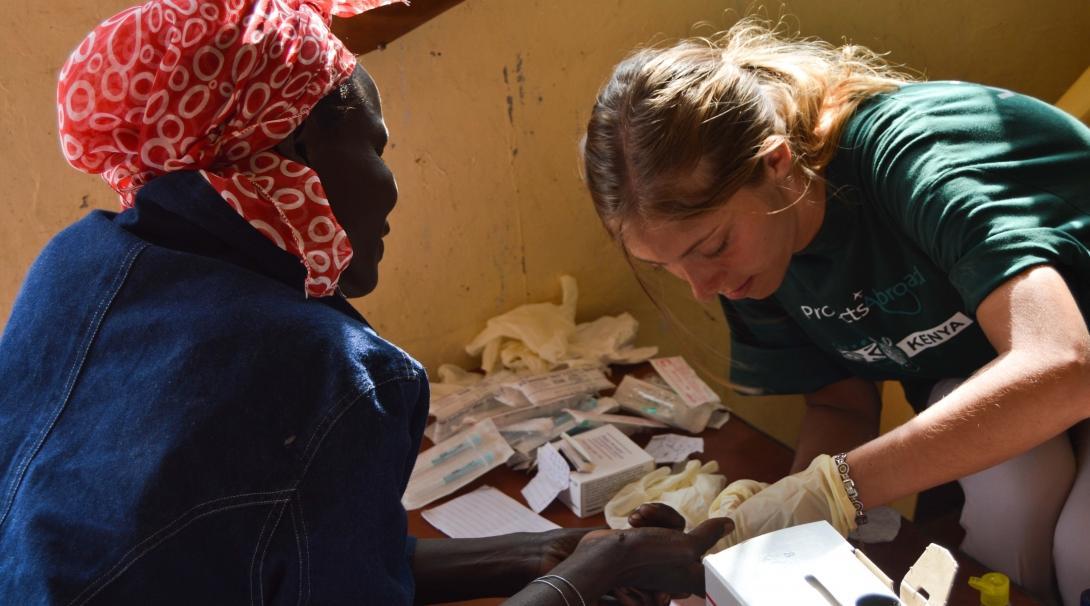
939, 193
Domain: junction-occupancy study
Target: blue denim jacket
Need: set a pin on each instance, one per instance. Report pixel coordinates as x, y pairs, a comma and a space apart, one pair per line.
179, 425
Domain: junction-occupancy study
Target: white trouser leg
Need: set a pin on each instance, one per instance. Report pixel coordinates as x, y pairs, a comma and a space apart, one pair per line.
1071, 547
1011, 513
1012, 509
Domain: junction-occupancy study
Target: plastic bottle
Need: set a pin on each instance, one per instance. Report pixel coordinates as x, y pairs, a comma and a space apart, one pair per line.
994, 588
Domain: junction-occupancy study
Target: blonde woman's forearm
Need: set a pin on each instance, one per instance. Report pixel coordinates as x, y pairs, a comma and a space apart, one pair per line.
1038, 387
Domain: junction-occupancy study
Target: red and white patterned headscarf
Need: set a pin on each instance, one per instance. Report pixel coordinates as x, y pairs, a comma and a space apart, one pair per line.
212, 85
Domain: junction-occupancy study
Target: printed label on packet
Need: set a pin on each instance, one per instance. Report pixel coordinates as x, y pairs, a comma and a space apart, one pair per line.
681, 378
555, 386
462, 400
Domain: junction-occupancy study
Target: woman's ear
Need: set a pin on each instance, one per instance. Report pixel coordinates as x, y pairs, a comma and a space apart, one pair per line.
293, 147
778, 160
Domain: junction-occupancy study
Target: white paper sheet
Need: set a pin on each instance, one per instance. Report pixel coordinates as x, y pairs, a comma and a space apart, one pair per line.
553, 476
673, 448
485, 512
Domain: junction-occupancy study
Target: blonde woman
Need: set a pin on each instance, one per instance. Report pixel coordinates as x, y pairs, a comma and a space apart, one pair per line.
857, 227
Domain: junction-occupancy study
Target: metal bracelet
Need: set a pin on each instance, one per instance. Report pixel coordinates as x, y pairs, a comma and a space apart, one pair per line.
569, 584
842, 468
554, 586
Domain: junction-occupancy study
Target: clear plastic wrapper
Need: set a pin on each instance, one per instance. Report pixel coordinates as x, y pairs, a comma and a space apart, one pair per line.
528, 428
455, 462
629, 424
659, 402
466, 407
552, 387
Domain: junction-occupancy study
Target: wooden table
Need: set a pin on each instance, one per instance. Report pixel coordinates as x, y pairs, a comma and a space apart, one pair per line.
742, 452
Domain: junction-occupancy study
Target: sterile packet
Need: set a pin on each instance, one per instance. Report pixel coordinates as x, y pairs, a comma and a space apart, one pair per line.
468, 406
675, 395
455, 462
663, 404
526, 429
628, 424
568, 384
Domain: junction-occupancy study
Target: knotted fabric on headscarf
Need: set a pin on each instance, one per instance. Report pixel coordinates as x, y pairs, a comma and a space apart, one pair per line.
212, 85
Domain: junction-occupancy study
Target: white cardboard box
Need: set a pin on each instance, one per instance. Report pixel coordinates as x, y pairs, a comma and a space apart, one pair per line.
617, 461
813, 564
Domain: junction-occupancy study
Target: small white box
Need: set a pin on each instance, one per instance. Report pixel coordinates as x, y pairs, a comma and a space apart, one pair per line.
617, 461
813, 564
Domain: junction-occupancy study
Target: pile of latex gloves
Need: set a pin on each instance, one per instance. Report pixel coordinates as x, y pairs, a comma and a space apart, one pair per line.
540, 337
699, 493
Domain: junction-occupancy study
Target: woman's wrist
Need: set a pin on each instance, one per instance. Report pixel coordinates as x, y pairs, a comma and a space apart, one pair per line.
538, 553
564, 570
461, 569
843, 470
519, 558
514, 560
591, 571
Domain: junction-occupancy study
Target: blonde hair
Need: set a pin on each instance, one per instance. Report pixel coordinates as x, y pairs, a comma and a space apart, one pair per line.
676, 130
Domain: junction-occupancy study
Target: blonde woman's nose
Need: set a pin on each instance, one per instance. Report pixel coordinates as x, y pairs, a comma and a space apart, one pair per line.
704, 282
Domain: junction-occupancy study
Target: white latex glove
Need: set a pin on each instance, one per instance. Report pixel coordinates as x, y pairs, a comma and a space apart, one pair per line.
540, 328
736, 493
688, 493
808, 496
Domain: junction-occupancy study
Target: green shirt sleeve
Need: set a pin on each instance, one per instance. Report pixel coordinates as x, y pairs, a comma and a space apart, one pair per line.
770, 354
985, 181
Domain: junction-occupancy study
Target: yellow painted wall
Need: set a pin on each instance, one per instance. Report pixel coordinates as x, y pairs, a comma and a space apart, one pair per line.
485, 106
1076, 99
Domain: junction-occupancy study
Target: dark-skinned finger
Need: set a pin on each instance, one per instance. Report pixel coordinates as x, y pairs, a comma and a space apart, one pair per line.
647, 597
710, 531
627, 596
656, 514
696, 579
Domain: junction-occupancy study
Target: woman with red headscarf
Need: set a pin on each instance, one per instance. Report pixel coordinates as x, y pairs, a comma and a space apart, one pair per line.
192, 413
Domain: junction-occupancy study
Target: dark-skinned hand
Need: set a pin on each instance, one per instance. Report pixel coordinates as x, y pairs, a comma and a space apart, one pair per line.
646, 516
557, 545
662, 560
651, 515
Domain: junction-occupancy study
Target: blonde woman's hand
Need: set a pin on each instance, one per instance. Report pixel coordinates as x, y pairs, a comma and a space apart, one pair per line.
813, 494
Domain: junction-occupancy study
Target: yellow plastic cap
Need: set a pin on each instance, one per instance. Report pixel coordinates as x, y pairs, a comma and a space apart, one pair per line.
994, 588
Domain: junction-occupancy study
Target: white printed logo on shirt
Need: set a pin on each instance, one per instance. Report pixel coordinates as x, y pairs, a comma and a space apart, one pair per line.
937, 335
911, 345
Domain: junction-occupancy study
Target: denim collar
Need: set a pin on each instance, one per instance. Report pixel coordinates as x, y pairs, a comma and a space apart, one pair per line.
182, 211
